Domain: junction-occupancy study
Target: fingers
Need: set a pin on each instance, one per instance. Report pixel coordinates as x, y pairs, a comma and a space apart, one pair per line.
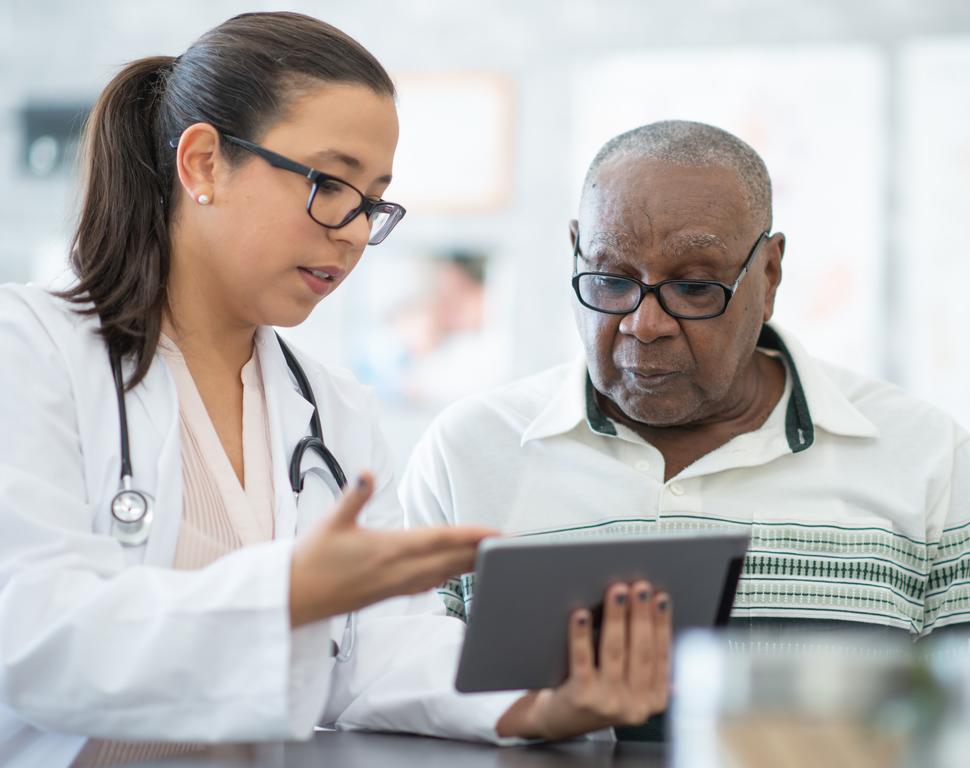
613, 636
423, 541
419, 573
641, 660
581, 659
663, 639
349, 505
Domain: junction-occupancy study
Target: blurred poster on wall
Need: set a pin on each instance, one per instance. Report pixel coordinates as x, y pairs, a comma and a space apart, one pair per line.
421, 330
456, 134
934, 184
816, 116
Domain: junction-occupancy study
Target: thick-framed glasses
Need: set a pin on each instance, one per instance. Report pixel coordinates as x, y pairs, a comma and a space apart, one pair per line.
333, 203
684, 299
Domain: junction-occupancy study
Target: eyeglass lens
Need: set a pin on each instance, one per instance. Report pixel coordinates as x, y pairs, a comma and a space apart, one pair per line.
619, 295
334, 203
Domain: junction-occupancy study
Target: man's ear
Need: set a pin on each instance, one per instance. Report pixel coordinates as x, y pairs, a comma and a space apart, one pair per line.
573, 232
774, 252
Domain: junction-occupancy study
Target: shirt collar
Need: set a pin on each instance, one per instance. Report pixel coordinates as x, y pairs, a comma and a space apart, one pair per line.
566, 408
823, 403
815, 401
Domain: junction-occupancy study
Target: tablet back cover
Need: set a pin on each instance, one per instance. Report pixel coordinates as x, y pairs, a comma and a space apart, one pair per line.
525, 590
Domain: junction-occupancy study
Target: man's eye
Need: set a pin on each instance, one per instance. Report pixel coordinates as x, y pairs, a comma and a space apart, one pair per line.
694, 290
605, 284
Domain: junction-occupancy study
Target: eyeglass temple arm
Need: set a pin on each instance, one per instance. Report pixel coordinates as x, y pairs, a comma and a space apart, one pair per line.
576, 250
762, 238
273, 158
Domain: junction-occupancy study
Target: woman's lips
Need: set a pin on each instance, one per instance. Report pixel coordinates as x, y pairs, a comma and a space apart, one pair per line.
321, 282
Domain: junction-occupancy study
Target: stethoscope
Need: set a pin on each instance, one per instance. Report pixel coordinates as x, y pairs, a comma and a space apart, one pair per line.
132, 511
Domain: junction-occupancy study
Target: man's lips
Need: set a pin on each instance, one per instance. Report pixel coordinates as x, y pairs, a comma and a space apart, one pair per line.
650, 376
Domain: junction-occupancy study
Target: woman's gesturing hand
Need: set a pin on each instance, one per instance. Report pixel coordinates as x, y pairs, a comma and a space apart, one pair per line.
628, 685
339, 566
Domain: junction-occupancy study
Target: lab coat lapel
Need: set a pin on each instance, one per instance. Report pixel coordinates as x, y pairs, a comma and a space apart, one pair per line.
153, 416
289, 420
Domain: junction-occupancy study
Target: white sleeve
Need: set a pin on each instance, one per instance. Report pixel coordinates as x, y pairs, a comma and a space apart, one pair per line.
947, 600
402, 678
424, 492
425, 497
383, 510
88, 646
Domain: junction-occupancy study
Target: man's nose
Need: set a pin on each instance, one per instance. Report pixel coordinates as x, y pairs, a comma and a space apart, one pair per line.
649, 321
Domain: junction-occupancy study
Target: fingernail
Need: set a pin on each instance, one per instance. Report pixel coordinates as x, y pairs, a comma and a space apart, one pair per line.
643, 595
582, 620
621, 598
663, 604
361, 483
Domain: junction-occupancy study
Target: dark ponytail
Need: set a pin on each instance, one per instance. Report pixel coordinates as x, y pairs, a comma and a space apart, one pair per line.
120, 250
238, 77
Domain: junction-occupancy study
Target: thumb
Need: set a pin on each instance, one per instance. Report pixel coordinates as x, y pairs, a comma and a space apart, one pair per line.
348, 506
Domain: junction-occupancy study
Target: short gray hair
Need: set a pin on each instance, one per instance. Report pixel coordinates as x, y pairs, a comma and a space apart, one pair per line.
683, 142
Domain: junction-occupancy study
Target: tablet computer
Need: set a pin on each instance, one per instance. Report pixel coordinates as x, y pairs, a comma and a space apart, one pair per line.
525, 590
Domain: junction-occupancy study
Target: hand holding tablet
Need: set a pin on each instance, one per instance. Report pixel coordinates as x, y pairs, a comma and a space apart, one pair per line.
621, 680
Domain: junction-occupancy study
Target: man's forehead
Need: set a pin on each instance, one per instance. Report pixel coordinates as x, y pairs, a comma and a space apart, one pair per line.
646, 179
639, 202
675, 243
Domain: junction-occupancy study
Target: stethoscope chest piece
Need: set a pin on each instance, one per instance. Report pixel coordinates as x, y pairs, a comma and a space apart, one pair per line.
131, 517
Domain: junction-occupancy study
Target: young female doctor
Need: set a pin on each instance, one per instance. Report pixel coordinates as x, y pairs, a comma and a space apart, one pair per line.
176, 557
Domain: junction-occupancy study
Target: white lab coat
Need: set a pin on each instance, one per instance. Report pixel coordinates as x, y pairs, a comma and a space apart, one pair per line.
102, 640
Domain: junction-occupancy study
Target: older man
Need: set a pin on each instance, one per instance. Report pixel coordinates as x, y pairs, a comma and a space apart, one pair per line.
690, 411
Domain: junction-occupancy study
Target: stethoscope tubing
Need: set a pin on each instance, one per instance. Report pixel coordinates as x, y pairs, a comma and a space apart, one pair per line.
134, 531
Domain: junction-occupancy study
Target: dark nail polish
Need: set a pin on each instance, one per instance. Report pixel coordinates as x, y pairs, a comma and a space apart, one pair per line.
583, 621
663, 604
621, 599
361, 483
643, 595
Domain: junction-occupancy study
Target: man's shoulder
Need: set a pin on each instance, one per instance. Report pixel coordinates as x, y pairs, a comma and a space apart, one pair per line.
895, 412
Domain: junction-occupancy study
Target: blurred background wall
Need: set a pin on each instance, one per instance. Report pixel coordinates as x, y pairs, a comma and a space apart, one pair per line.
861, 109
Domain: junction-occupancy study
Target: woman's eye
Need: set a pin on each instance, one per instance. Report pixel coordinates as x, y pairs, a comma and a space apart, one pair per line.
330, 186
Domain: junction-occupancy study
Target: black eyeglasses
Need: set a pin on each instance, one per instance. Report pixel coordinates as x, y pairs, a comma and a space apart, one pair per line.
684, 299
333, 203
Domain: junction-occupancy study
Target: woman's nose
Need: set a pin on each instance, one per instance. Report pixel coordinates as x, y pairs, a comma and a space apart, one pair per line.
356, 231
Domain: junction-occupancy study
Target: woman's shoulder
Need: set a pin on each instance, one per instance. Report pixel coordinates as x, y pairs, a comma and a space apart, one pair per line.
37, 313
333, 382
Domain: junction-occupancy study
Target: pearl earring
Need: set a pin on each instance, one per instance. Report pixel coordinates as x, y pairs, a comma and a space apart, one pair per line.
203, 199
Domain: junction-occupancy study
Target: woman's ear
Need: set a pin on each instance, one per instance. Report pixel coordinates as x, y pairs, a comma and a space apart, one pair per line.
199, 162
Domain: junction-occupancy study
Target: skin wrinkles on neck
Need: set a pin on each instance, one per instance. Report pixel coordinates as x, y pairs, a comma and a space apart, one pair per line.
682, 444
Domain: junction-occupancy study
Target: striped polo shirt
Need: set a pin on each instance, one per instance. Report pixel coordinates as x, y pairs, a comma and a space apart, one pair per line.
856, 496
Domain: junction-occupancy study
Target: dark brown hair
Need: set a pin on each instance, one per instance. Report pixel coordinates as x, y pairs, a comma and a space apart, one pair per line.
239, 77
